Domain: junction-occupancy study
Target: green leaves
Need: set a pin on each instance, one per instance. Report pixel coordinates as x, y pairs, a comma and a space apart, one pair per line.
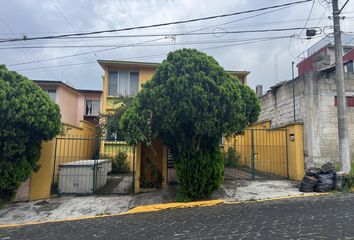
190, 102
27, 117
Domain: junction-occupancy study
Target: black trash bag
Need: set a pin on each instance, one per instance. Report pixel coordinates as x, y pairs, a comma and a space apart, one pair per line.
313, 171
328, 168
308, 184
325, 183
339, 182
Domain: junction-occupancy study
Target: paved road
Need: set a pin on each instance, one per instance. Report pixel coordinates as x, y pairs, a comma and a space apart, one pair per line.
327, 217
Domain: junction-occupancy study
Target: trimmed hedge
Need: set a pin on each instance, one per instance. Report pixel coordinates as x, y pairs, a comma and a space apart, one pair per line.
27, 117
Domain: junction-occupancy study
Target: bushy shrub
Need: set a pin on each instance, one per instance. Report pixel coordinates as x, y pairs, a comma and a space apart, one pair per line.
27, 117
190, 103
200, 174
120, 163
231, 158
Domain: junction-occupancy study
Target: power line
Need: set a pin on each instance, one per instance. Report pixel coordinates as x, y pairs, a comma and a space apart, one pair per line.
318, 23
249, 41
25, 38
70, 24
129, 45
306, 22
28, 52
84, 53
156, 35
346, 2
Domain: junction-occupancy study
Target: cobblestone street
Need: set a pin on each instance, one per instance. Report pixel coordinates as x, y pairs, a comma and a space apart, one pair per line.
325, 217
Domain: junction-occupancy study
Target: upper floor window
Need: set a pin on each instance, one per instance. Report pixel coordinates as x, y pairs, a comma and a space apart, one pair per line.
123, 83
92, 107
52, 93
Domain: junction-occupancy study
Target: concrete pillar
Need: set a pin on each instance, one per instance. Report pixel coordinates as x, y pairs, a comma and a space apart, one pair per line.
41, 180
137, 168
295, 142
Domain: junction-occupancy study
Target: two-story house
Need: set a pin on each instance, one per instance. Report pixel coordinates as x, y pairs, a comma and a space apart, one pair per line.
75, 104
126, 78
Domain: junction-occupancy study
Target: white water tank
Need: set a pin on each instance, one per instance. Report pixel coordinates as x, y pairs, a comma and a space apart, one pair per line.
81, 175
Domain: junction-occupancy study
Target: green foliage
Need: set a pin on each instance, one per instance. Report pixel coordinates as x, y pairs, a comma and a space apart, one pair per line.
120, 163
190, 102
109, 123
349, 179
27, 117
200, 174
231, 158
252, 106
152, 177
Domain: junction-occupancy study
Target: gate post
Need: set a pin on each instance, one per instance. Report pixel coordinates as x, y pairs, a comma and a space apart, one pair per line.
134, 148
252, 154
55, 161
95, 163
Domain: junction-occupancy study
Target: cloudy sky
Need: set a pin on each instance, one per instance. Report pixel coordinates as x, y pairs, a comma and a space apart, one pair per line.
267, 55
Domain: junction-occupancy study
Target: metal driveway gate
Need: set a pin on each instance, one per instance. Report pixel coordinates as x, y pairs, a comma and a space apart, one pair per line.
257, 154
92, 166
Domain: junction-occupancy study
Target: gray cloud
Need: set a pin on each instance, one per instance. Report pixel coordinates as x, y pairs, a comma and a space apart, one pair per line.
268, 61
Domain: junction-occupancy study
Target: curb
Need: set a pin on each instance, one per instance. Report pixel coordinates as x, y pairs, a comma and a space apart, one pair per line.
163, 206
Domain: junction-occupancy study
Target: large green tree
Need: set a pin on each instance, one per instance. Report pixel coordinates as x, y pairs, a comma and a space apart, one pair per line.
190, 103
27, 117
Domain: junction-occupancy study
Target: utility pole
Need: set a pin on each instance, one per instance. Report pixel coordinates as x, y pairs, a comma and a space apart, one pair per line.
343, 136
292, 74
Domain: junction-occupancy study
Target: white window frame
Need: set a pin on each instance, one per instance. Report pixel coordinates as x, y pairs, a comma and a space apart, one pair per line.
98, 105
129, 87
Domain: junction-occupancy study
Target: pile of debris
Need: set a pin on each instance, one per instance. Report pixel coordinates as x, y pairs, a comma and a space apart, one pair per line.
324, 179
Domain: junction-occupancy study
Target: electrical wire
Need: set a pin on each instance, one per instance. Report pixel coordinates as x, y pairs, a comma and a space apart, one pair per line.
70, 24
84, 53
307, 20
182, 34
250, 41
25, 38
29, 52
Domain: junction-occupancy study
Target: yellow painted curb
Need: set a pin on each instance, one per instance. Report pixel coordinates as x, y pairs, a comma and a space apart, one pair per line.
281, 198
139, 209
159, 207
163, 206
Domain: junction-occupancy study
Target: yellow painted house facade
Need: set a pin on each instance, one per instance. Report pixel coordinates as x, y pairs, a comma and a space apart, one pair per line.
133, 75
126, 78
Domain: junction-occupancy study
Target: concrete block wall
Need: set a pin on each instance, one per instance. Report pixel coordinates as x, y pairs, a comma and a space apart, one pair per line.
314, 106
277, 104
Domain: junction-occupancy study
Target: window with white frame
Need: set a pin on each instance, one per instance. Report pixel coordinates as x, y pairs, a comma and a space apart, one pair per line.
123, 83
52, 93
92, 108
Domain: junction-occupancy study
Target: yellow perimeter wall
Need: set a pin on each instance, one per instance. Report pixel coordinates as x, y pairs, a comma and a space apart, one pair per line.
41, 181
274, 152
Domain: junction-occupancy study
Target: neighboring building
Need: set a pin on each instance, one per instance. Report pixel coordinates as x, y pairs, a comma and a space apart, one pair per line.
75, 104
125, 78
315, 107
315, 101
321, 55
79, 110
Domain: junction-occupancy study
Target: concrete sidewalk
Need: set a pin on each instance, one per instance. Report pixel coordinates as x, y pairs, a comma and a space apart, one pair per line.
64, 207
